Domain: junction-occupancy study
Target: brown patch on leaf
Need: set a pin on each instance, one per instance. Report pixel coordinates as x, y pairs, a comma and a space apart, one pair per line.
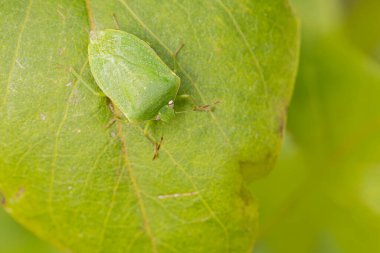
3, 200
245, 195
19, 193
253, 170
282, 121
281, 127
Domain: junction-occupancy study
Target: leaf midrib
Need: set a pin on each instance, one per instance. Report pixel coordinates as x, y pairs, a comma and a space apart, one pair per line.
128, 166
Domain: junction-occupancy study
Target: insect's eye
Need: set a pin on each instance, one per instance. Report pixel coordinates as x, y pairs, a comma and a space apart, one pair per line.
171, 104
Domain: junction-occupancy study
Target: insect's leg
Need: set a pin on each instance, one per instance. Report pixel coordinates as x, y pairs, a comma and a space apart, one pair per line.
157, 148
206, 108
113, 121
146, 130
147, 127
199, 108
186, 96
178, 49
116, 21
175, 56
157, 145
78, 76
110, 123
115, 118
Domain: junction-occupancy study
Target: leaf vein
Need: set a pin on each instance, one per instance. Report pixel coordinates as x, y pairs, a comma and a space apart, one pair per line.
110, 209
134, 183
56, 146
196, 189
247, 44
14, 60
204, 202
121, 136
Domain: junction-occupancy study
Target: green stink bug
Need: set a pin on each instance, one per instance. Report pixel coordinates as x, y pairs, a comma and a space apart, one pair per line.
134, 78
132, 75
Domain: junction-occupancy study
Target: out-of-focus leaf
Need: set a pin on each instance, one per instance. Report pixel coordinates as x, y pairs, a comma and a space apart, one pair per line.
323, 196
362, 24
318, 15
86, 188
15, 239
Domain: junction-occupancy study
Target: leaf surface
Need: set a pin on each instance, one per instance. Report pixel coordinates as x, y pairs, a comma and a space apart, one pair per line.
86, 188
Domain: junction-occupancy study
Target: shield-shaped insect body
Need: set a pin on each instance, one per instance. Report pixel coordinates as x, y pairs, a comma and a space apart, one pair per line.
131, 74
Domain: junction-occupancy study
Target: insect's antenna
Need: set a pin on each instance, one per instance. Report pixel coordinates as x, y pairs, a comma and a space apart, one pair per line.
179, 49
116, 21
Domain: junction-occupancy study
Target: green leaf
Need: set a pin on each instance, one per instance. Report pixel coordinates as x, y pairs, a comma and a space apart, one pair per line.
86, 188
15, 239
323, 196
320, 15
362, 23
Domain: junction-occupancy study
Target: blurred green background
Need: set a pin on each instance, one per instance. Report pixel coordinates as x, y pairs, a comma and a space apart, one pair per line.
324, 194
15, 239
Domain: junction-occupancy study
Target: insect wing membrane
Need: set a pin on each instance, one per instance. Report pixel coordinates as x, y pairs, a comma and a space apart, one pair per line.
131, 74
